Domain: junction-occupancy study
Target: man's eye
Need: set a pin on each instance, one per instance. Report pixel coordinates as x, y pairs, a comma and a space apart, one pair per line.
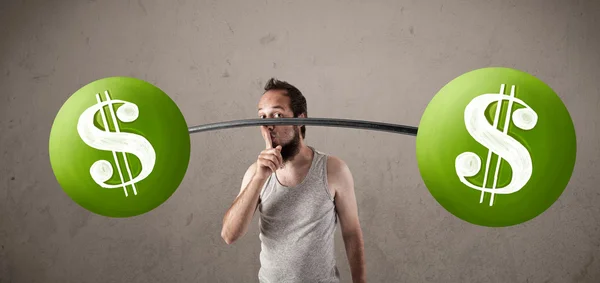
276, 115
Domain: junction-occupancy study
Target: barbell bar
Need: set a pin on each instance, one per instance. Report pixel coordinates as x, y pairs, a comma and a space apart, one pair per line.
327, 122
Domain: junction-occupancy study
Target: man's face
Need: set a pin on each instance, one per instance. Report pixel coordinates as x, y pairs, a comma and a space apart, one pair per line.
272, 105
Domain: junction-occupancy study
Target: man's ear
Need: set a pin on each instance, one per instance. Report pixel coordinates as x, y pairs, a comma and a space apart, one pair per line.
303, 115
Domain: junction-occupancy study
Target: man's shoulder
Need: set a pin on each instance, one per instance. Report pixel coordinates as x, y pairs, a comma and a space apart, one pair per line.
335, 162
339, 176
337, 166
331, 159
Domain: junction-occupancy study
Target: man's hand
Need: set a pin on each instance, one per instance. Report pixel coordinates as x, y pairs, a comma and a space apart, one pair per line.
270, 159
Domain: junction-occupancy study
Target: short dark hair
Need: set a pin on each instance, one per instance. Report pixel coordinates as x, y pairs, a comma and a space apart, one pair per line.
297, 100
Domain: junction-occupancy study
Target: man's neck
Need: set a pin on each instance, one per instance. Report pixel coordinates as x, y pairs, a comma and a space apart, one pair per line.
304, 156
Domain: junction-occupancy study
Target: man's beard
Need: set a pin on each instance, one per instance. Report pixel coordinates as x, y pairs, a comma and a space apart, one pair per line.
291, 148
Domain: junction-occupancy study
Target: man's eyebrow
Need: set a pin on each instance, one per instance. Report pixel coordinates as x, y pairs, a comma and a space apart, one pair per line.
273, 107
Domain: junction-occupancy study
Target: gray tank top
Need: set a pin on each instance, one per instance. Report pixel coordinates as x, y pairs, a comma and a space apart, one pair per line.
297, 226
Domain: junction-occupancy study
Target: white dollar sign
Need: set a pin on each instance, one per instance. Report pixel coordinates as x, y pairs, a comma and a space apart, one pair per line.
101, 171
468, 164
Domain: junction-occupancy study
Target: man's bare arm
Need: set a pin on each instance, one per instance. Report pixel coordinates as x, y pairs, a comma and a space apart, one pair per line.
341, 180
239, 215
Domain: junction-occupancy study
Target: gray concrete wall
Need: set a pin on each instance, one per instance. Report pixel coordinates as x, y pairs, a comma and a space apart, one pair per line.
371, 60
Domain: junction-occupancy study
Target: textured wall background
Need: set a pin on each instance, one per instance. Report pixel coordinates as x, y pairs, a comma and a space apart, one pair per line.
375, 60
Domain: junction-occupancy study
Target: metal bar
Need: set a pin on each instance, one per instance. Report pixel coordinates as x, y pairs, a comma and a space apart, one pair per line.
327, 122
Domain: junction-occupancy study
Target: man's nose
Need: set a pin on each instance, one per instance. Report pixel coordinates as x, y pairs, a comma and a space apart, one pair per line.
270, 127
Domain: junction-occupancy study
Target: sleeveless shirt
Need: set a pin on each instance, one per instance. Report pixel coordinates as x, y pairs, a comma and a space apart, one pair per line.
297, 226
